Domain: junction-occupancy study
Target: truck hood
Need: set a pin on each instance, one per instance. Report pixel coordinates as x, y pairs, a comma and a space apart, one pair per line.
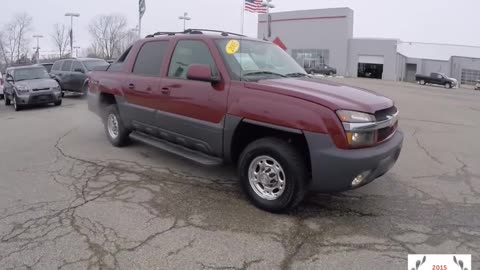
326, 93
38, 83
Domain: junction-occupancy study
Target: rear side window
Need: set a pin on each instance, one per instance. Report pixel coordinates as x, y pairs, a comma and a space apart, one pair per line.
67, 65
186, 53
57, 66
150, 58
77, 66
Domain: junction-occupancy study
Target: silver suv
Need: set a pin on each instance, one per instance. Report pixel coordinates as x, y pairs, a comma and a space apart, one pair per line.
29, 85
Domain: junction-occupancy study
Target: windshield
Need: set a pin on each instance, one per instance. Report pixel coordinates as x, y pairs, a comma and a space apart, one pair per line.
48, 67
30, 74
91, 64
256, 60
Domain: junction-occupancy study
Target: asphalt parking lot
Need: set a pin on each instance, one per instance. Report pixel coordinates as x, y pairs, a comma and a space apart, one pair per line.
69, 200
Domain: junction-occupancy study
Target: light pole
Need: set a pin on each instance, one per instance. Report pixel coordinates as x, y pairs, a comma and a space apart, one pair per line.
76, 51
37, 53
185, 18
136, 30
268, 4
71, 15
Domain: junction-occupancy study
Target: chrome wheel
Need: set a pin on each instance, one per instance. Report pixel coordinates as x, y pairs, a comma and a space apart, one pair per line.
112, 126
266, 177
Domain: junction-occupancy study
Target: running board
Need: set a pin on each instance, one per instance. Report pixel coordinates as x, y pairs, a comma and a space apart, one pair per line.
176, 149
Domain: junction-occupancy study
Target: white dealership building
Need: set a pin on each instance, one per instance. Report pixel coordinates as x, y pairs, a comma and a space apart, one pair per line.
325, 36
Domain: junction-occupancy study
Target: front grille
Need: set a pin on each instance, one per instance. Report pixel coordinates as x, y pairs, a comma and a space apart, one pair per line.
385, 133
41, 98
382, 114
40, 89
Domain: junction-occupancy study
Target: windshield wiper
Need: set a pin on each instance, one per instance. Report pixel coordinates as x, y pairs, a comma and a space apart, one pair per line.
264, 73
296, 75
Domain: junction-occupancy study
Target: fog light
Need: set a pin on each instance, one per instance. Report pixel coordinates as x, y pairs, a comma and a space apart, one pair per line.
357, 181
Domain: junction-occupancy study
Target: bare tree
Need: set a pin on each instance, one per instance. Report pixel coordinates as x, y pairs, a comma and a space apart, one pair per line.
60, 38
107, 32
128, 39
15, 42
3, 52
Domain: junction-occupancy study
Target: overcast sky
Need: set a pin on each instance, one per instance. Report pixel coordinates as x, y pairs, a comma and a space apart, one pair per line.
442, 21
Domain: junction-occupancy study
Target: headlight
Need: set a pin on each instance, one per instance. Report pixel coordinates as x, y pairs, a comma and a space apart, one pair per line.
358, 138
355, 117
22, 89
56, 88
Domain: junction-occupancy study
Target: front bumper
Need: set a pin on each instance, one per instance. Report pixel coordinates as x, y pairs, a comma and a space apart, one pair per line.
38, 98
334, 169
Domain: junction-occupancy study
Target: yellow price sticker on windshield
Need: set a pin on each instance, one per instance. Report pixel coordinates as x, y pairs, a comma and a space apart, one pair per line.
232, 46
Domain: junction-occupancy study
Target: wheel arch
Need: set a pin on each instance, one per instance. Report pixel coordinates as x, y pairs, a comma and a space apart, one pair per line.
239, 132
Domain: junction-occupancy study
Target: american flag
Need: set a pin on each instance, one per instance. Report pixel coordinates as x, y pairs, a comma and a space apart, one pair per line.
255, 6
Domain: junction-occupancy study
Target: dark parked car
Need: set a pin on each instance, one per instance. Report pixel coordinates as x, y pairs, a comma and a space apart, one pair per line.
436, 78
321, 69
48, 66
30, 85
218, 99
72, 74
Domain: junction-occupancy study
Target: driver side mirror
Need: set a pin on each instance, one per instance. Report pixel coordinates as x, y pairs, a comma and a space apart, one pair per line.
9, 79
79, 70
198, 72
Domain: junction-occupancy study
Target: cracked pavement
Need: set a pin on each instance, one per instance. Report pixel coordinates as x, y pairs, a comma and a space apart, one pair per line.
69, 200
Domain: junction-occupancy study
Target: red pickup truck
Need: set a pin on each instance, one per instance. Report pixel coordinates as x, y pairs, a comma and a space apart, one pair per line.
226, 98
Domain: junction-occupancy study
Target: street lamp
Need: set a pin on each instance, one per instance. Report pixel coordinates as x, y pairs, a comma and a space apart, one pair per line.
76, 51
37, 53
136, 30
268, 4
185, 18
71, 15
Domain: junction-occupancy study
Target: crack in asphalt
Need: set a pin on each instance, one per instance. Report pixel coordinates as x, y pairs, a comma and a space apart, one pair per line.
424, 148
101, 182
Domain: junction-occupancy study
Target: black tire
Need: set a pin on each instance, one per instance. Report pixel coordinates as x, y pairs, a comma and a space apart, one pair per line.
122, 138
422, 82
294, 168
16, 106
85, 89
57, 103
7, 101
448, 85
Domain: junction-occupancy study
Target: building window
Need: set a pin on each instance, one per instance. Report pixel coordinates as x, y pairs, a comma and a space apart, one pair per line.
470, 76
308, 58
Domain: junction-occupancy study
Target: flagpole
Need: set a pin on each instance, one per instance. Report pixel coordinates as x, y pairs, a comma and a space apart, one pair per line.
242, 17
139, 25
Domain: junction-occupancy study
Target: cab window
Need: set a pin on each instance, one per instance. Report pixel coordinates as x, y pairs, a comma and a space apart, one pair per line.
189, 52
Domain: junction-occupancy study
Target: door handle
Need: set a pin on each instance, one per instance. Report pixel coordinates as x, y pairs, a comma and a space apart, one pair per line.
131, 86
165, 91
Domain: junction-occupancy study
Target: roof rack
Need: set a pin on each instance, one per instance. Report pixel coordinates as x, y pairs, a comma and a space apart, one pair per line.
163, 34
194, 32
200, 31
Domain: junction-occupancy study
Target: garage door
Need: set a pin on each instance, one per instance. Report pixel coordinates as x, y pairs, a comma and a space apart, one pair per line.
470, 76
371, 59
